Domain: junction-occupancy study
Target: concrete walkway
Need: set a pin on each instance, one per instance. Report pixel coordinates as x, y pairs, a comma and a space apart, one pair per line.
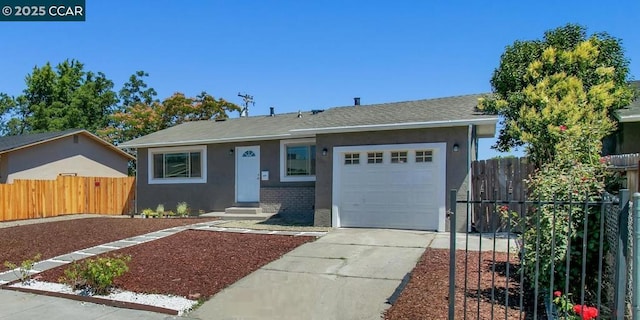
345, 274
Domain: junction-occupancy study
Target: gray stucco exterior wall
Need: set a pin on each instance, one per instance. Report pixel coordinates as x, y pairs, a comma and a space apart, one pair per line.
457, 165
312, 199
218, 192
82, 157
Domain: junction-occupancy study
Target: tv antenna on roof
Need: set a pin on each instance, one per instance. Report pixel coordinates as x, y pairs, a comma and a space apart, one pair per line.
246, 100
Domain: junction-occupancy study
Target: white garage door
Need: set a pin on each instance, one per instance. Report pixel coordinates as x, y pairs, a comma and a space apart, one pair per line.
390, 186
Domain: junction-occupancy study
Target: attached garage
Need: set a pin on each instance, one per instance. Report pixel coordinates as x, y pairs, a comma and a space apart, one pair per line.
390, 186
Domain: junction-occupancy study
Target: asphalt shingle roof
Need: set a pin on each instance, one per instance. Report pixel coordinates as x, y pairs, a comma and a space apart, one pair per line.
632, 110
441, 111
8, 143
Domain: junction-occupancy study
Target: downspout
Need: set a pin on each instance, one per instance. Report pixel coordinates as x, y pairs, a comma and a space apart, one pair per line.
469, 188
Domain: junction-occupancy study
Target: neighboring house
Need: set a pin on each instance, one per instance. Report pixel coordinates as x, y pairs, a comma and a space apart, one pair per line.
385, 165
45, 156
628, 134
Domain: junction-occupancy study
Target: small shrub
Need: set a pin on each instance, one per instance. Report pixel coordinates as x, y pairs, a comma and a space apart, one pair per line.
170, 213
22, 270
182, 209
96, 275
160, 210
148, 212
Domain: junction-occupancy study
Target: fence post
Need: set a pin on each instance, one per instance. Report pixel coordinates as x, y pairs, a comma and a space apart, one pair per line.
636, 257
452, 253
621, 256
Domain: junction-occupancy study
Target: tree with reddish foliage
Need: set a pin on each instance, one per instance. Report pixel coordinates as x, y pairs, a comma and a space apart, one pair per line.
142, 114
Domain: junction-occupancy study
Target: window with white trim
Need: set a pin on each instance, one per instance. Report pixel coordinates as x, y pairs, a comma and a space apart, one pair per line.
351, 158
298, 160
399, 156
177, 165
424, 156
374, 157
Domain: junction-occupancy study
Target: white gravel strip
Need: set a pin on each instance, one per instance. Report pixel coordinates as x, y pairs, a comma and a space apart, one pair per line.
180, 304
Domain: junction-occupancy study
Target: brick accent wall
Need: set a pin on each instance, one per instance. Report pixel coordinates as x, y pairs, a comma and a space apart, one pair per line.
290, 202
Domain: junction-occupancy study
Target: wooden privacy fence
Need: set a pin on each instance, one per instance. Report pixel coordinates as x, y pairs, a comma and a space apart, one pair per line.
29, 199
497, 179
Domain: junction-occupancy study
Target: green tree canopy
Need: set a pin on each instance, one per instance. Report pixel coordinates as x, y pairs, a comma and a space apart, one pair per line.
59, 98
141, 114
567, 53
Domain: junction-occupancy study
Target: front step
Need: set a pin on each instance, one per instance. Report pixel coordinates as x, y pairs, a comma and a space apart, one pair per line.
243, 210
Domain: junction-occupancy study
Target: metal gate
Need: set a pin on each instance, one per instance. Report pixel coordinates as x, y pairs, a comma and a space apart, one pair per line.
549, 259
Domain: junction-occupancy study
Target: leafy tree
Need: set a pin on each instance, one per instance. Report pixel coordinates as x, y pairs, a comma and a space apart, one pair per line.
136, 91
59, 98
143, 118
559, 105
515, 75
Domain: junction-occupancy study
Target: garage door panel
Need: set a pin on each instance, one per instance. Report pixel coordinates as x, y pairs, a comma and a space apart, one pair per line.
390, 195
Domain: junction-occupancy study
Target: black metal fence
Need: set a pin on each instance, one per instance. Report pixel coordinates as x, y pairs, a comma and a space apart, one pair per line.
553, 260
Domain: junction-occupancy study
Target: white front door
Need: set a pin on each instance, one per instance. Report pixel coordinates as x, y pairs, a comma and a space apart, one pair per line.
248, 174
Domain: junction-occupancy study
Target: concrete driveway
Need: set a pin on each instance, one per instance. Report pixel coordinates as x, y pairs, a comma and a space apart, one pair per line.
347, 274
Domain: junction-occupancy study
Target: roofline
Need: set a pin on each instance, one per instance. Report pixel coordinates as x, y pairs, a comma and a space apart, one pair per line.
406, 125
81, 131
205, 141
631, 118
300, 133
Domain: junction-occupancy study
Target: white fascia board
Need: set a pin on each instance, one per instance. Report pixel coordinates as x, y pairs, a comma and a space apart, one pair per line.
633, 118
397, 126
206, 141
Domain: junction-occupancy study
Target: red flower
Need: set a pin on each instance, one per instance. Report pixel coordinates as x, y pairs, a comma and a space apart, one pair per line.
586, 312
563, 128
557, 293
504, 208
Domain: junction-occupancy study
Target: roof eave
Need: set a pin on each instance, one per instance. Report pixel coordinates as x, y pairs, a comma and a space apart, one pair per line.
300, 133
81, 131
205, 141
398, 126
630, 118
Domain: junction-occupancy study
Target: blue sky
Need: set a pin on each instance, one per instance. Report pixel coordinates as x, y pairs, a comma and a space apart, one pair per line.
302, 55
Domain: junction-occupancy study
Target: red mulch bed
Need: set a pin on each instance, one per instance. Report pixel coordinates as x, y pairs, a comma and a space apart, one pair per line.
195, 264
426, 296
51, 239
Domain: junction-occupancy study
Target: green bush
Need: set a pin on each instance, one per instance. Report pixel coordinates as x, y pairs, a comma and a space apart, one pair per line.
556, 225
96, 275
149, 213
160, 210
24, 268
182, 209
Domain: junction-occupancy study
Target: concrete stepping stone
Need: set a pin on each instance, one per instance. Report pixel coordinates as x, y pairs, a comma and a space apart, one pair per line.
74, 256
47, 264
97, 250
